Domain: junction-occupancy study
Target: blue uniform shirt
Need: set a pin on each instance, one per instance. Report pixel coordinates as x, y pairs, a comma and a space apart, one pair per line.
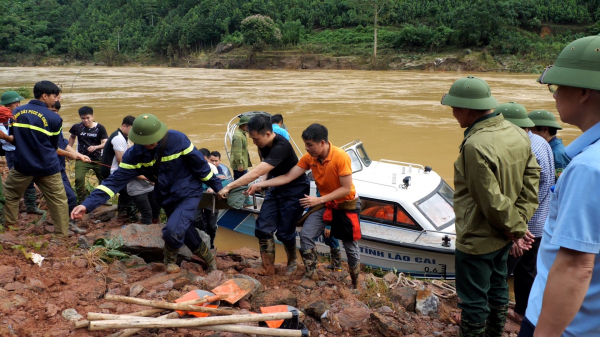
573, 224
281, 131
182, 172
561, 160
36, 130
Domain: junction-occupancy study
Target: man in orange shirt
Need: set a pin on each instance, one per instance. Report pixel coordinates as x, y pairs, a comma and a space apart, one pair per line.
338, 205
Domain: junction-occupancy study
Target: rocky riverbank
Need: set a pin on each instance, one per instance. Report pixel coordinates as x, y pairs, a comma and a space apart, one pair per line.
73, 279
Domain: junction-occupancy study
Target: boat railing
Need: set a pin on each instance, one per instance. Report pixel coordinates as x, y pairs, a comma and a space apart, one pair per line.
401, 163
376, 183
431, 231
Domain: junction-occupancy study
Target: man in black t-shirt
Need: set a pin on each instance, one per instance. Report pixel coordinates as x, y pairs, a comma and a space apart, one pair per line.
91, 137
281, 207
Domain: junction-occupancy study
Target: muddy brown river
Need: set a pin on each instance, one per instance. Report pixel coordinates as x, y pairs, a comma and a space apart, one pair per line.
396, 114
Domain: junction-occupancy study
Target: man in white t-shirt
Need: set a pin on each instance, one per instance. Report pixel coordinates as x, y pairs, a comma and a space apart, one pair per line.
112, 155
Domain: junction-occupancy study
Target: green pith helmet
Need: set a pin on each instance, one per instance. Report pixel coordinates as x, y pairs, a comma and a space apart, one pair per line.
544, 118
10, 97
578, 65
470, 93
147, 129
515, 113
243, 120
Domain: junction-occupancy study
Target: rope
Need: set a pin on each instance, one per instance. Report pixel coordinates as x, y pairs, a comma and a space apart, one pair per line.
406, 282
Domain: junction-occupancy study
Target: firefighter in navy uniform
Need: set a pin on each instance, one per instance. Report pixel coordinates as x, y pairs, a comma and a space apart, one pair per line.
178, 169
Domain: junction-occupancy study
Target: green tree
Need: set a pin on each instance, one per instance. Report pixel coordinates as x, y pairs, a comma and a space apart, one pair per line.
259, 29
374, 10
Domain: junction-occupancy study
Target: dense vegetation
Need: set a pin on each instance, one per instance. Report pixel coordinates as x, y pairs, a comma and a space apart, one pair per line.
113, 30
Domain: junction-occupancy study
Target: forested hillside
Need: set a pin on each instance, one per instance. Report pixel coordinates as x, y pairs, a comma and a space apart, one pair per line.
139, 30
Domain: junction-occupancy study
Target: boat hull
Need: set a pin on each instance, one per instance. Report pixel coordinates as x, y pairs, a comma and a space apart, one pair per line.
414, 260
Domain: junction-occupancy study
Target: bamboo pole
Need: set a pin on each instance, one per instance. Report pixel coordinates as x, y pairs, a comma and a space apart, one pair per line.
185, 323
252, 330
144, 313
166, 305
131, 332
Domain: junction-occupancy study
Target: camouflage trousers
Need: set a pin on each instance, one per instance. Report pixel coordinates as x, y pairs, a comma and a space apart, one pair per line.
481, 286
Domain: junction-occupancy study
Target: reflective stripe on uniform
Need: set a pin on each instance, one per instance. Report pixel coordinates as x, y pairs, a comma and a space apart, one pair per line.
37, 128
106, 190
207, 177
164, 159
177, 155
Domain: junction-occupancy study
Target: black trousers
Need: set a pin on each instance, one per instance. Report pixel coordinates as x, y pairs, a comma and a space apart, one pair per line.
524, 270
206, 221
527, 329
148, 207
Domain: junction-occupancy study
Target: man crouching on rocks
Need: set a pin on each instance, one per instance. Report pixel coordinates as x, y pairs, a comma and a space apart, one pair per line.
338, 206
170, 160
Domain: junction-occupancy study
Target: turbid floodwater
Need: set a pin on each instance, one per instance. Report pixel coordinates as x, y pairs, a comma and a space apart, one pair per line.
397, 114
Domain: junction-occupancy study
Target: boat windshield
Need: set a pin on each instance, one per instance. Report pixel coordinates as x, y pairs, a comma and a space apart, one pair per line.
438, 206
363, 155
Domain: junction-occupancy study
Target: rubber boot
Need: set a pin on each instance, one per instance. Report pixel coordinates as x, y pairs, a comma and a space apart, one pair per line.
310, 263
31, 202
354, 272
468, 329
267, 254
74, 228
204, 253
494, 325
170, 260
292, 258
336, 259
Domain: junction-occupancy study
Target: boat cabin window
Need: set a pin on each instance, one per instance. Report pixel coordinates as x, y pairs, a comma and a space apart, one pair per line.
363, 155
386, 212
355, 162
438, 206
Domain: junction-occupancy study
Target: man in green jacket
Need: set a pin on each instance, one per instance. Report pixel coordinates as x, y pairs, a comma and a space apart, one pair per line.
240, 158
496, 181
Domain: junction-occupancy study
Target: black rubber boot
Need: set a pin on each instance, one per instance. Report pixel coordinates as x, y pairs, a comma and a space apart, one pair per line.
494, 325
354, 272
30, 198
336, 259
170, 259
204, 253
292, 258
267, 254
310, 258
74, 228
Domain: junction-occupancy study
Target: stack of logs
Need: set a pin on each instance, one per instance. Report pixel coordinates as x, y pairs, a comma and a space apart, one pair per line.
138, 321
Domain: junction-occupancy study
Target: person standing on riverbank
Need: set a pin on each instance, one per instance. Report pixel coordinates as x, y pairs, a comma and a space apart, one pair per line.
281, 207
523, 263
112, 155
12, 100
36, 132
338, 205
70, 152
240, 158
91, 137
564, 299
496, 186
170, 160
547, 128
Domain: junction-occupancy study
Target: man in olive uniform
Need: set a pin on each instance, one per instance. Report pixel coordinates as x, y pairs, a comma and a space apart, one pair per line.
547, 128
496, 180
178, 169
564, 299
240, 158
